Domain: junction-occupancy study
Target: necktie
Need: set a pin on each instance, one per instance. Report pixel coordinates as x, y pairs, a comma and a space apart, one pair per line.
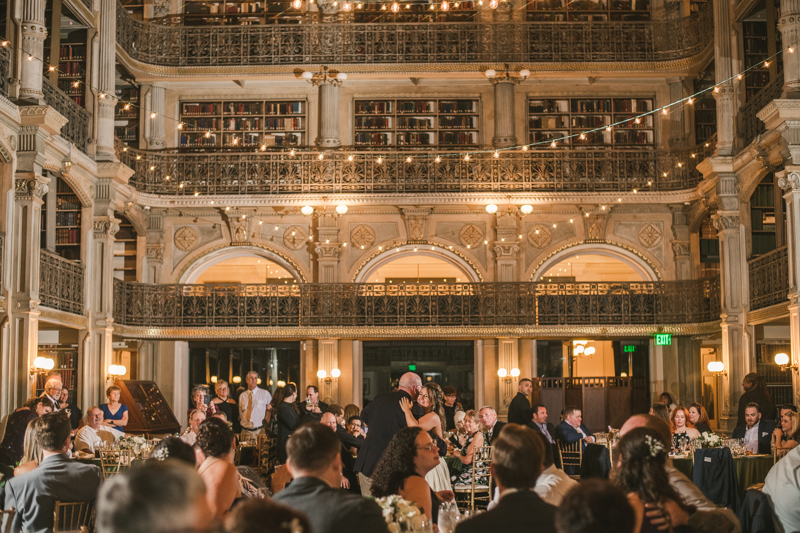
249, 411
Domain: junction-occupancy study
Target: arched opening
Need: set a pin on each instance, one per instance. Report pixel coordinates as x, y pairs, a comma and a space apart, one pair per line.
412, 264
245, 265
598, 262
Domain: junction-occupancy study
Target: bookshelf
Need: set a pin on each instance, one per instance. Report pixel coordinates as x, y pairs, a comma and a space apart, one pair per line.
709, 249
126, 121
554, 118
705, 108
417, 123
68, 222
767, 216
588, 10
125, 250
237, 13
416, 13
66, 364
756, 51
65, 48
778, 383
243, 124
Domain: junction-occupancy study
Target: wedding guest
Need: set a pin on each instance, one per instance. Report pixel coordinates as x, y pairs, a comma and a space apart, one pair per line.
472, 440
553, 483
253, 406
786, 407
572, 430
95, 433
431, 400
52, 391
173, 448
32, 453
347, 439
755, 391
12, 447
189, 436
757, 433
224, 403
660, 410
315, 463
199, 397
516, 464
451, 407
492, 427
116, 413
288, 415
312, 408
698, 416
266, 516
57, 478
216, 441
783, 486
355, 427
682, 430
158, 497
411, 454
351, 410
667, 401
539, 423
787, 436
519, 410
75, 413
349, 481
595, 506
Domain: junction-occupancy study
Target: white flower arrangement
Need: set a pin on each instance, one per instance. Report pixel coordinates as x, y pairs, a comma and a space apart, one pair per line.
709, 440
132, 442
401, 515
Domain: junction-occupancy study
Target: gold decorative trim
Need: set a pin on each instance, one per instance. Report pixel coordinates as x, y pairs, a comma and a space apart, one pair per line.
768, 313
393, 245
190, 260
579, 243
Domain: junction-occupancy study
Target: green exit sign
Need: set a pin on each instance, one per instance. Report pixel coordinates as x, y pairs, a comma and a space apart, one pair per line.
412, 367
663, 339
629, 348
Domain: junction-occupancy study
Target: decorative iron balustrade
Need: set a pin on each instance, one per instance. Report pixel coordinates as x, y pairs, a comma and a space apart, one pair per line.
440, 304
345, 43
5, 69
751, 124
60, 283
77, 129
769, 279
184, 174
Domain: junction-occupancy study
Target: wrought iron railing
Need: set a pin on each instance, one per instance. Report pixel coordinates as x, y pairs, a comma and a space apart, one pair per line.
769, 279
5, 69
346, 43
439, 304
751, 124
535, 170
77, 129
60, 283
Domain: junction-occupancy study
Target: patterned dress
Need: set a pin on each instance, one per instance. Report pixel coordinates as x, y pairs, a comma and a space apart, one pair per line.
465, 477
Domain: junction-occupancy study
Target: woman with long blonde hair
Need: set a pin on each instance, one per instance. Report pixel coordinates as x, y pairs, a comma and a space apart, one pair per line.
32, 454
787, 436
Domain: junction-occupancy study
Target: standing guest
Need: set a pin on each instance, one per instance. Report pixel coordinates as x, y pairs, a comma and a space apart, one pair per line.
189, 436
75, 413
266, 516
596, 506
13, 444
32, 454
516, 464
431, 400
351, 410
315, 463
349, 481
158, 497
667, 401
216, 441
272, 426
253, 406
223, 401
572, 430
783, 486
95, 433
660, 410
787, 436
408, 459
519, 410
757, 433
698, 416
173, 448
682, 430
52, 392
347, 439
385, 418
57, 478
492, 427
755, 391
451, 406
116, 414
472, 440
313, 408
288, 415
199, 397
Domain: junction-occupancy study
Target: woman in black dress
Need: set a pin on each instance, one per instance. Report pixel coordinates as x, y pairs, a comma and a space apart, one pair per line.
75, 413
698, 416
288, 415
13, 444
226, 404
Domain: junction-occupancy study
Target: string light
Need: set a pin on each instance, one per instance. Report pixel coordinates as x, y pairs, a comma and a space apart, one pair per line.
445, 6
493, 4
496, 154
153, 115
395, 7
466, 157
380, 160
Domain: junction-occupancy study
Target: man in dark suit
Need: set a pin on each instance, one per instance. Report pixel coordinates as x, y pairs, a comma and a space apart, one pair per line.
539, 423
519, 410
316, 466
347, 439
757, 433
489, 420
570, 430
516, 464
312, 408
385, 418
349, 481
57, 478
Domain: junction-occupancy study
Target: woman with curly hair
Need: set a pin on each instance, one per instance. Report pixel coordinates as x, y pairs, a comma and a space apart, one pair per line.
216, 440
641, 473
431, 399
411, 454
682, 430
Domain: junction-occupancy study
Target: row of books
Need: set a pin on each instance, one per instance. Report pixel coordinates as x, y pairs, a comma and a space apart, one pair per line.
68, 202
72, 52
373, 123
416, 106
241, 124
243, 108
457, 122
67, 376
68, 235
71, 253
288, 124
199, 109
201, 124
70, 218
288, 108
606, 105
127, 133
63, 187
72, 68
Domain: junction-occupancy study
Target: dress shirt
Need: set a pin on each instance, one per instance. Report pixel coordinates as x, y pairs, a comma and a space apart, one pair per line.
751, 439
253, 407
553, 484
783, 486
89, 438
549, 437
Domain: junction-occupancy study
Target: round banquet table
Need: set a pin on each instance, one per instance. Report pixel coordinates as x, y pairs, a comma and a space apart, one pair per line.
749, 470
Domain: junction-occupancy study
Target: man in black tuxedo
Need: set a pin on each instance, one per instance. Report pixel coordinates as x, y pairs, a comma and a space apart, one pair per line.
385, 418
489, 420
312, 408
516, 464
570, 430
757, 433
315, 462
539, 423
519, 410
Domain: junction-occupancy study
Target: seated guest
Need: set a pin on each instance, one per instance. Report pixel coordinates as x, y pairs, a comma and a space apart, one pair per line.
11, 448
116, 413
222, 416
571, 430
783, 486
553, 484
451, 407
351, 409
595, 506
172, 448
682, 430
315, 462
158, 497
641, 473
189, 435
94, 433
52, 392
266, 516
491, 426
349, 481
783, 409
539, 423
402, 469
757, 434
786, 437
463, 454
519, 410
32, 454
347, 439
516, 464
57, 478
75, 413
216, 441
355, 426
660, 410
698, 416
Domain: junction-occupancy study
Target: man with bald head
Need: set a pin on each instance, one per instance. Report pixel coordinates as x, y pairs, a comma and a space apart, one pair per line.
385, 417
348, 481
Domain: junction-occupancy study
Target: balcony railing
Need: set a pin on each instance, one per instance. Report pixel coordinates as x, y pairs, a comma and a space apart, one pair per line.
751, 124
343, 43
5, 69
77, 129
185, 174
60, 283
769, 279
440, 304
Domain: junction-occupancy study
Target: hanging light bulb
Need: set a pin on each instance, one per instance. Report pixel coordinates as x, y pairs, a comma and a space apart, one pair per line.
496, 154
297, 4
493, 4
395, 7
445, 6
347, 6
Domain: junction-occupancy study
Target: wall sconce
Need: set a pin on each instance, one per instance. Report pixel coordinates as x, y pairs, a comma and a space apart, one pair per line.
782, 360
507, 76
579, 349
526, 209
502, 373
236, 379
335, 373
214, 379
321, 78
717, 368
309, 211
116, 371
41, 365
258, 381
281, 383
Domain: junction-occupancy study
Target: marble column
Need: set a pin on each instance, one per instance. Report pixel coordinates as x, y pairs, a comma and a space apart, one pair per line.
789, 180
34, 33
328, 115
155, 248
506, 249
328, 359
789, 26
155, 136
106, 81
678, 134
724, 92
328, 250
504, 135
681, 245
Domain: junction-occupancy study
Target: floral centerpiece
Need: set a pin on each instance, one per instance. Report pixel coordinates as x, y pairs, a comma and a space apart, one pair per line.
709, 440
137, 443
400, 514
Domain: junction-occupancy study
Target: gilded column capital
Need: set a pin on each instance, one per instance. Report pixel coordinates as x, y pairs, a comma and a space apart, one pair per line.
105, 227
30, 188
725, 222
329, 252
155, 253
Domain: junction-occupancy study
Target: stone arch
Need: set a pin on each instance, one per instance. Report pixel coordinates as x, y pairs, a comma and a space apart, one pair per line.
632, 258
196, 264
381, 258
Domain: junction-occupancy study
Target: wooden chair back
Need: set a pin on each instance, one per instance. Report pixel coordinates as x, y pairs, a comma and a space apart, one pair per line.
73, 517
571, 455
114, 462
8, 516
479, 491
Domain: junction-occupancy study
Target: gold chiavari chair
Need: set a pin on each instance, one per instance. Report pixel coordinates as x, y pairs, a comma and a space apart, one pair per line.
73, 517
8, 516
478, 490
571, 455
114, 462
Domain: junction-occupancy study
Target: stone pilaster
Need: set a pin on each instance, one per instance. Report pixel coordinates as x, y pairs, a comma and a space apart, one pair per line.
506, 249
678, 134
155, 248
328, 114
155, 136
328, 250
681, 249
789, 26
508, 358
504, 135
107, 73
723, 65
789, 180
34, 33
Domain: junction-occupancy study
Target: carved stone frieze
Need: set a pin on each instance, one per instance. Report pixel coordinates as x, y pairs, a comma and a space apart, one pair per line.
506, 250
539, 236
155, 253
295, 237
725, 222
29, 188
362, 236
470, 235
789, 181
186, 238
328, 251
416, 222
681, 248
649, 235
105, 228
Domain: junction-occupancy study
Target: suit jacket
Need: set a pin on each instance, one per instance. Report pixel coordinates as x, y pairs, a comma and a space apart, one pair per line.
519, 410
385, 418
550, 429
765, 429
496, 429
569, 434
515, 512
332, 510
57, 478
